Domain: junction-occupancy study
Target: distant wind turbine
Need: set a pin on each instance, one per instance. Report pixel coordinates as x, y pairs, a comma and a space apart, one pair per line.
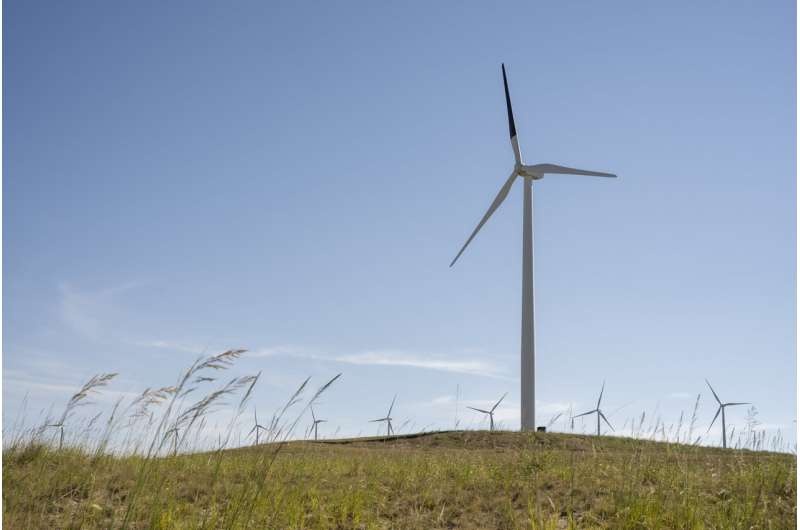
490, 412
722, 410
528, 174
387, 418
598, 411
60, 427
256, 426
315, 423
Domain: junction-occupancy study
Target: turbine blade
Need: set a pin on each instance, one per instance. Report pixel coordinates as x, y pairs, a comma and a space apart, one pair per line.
712, 391
498, 200
251, 431
512, 129
313, 417
601, 395
498, 401
564, 170
584, 414
734, 404
391, 406
715, 418
479, 410
605, 420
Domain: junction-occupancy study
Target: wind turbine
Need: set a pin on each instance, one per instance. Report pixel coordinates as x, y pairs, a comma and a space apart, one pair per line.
388, 418
315, 423
490, 412
60, 427
256, 426
721, 409
598, 411
528, 174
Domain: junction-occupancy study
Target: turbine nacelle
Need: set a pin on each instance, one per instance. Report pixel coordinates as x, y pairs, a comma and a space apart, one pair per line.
528, 172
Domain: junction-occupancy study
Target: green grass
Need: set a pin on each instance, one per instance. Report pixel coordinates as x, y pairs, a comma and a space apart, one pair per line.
442, 480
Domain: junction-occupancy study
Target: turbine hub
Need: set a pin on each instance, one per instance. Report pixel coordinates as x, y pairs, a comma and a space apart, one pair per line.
528, 172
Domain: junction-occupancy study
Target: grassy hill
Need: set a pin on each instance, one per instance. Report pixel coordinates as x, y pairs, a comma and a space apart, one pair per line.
464, 479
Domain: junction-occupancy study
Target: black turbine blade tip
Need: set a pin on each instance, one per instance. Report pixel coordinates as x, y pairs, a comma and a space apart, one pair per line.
512, 130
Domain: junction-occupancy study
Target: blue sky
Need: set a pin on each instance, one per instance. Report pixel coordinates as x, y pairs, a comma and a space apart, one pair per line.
294, 179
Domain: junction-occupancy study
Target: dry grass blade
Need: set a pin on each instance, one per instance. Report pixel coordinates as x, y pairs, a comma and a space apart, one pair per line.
206, 404
149, 398
81, 396
221, 361
252, 380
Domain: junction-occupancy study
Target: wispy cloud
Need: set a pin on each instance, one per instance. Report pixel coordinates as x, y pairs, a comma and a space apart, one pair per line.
389, 358
76, 310
84, 312
172, 345
442, 400
51, 388
290, 350
446, 364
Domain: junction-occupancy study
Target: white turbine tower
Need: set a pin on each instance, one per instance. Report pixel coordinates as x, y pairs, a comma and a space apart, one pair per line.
598, 411
528, 174
722, 410
387, 418
490, 412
